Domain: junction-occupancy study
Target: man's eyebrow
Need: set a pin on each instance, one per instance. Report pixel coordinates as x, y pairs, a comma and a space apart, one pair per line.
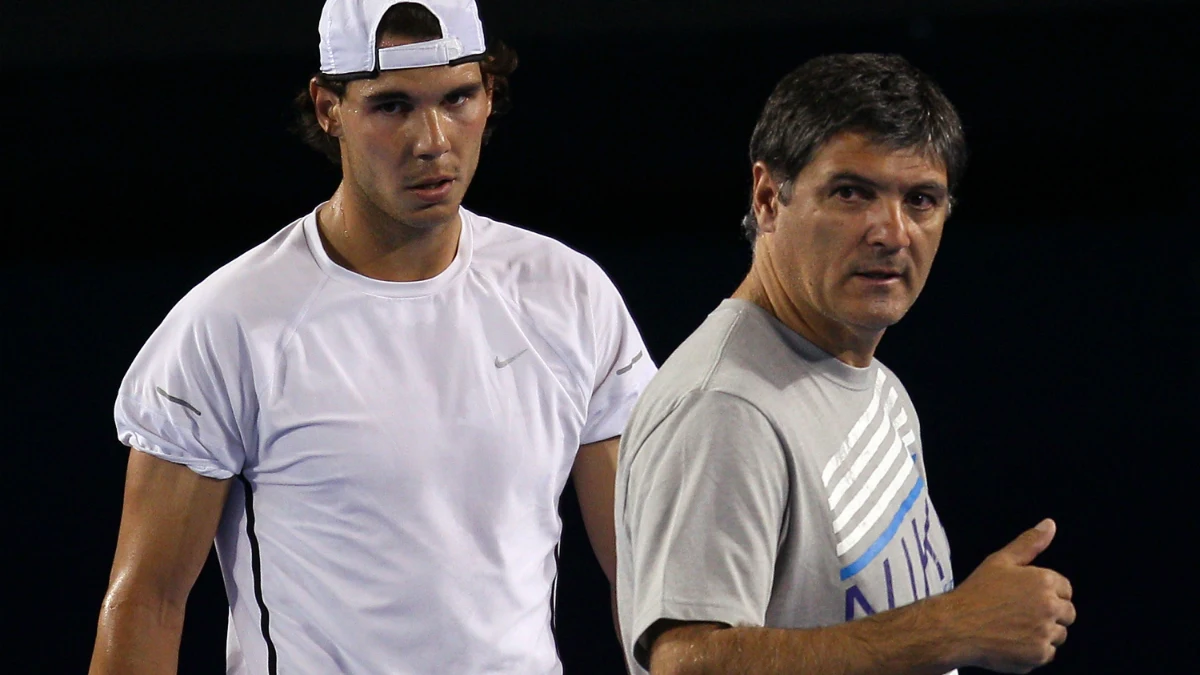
852, 177
466, 89
936, 187
390, 96
401, 96
933, 186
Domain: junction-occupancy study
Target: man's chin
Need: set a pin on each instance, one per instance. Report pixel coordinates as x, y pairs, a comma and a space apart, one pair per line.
430, 216
878, 317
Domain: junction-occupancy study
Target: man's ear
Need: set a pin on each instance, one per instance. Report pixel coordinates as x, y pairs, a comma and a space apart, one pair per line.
764, 197
328, 106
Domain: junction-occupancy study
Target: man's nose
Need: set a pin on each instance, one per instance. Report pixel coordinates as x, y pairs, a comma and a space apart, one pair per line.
431, 141
890, 225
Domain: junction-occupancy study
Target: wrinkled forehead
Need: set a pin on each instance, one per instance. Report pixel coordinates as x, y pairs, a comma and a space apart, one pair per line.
862, 152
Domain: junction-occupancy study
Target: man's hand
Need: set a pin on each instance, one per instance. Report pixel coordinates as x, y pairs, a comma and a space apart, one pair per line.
1011, 615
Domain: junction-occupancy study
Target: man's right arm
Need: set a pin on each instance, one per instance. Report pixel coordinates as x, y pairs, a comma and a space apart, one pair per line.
1008, 616
168, 522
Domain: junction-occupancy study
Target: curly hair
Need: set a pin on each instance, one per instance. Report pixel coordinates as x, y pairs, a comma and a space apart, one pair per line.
417, 22
882, 96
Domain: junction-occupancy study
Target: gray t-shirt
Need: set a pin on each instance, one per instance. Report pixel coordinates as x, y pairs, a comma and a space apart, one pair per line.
762, 482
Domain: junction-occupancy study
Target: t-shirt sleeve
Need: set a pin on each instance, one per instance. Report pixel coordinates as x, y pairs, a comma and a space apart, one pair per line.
705, 505
188, 397
622, 365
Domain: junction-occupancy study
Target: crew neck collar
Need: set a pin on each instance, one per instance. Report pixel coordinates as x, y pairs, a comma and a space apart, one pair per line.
392, 289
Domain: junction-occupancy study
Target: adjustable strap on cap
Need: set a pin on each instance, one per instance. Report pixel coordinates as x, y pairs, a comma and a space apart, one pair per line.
420, 54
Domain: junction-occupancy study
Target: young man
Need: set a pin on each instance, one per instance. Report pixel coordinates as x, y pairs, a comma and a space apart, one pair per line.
375, 411
772, 508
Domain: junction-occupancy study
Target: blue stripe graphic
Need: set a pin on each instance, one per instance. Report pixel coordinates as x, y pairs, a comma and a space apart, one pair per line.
869, 555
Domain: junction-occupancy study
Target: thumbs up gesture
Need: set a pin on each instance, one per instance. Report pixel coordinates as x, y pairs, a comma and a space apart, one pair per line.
1011, 615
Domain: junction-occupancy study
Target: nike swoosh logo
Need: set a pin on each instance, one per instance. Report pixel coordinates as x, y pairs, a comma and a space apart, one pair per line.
178, 401
626, 369
501, 364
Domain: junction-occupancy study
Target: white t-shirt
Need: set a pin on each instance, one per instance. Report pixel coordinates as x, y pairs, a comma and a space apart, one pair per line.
400, 448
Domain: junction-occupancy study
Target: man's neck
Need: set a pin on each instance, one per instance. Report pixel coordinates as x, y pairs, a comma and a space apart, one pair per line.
369, 242
763, 288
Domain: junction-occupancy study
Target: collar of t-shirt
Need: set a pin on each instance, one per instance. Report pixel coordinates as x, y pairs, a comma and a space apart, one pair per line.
393, 289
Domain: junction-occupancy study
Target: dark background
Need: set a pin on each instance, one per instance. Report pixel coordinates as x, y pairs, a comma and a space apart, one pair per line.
1053, 356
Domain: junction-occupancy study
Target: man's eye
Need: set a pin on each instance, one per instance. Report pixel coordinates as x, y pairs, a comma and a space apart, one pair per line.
848, 192
922, 201
392, 108
456, 100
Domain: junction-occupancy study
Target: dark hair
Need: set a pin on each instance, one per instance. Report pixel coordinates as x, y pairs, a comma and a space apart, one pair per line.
882, 96
415, 21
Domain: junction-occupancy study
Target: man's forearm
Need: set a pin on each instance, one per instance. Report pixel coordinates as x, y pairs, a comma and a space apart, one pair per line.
137, 638
913, 640
1008, 616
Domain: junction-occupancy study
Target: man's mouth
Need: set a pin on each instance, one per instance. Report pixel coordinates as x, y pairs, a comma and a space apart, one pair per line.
881, 276
432, 190
431, 184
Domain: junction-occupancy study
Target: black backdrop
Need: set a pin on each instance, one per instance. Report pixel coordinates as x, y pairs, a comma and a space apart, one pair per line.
1053, 357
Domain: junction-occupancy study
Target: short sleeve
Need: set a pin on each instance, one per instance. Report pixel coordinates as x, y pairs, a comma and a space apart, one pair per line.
188, 397
705, 503
622, 365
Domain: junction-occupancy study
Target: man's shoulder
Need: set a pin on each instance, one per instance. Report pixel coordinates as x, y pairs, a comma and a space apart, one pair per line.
503, 249
888, 372
719, 358
736, 350
269, 279
893, 380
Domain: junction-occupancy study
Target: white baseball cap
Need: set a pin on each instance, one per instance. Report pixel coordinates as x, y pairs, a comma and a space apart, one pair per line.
348, 29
